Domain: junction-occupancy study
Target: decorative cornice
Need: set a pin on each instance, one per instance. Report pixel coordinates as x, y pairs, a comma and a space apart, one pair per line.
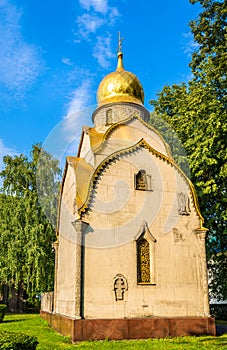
118, 124
201, 231
143, 229
122, 104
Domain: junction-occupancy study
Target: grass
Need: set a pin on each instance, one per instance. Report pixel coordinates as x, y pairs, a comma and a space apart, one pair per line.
50, 340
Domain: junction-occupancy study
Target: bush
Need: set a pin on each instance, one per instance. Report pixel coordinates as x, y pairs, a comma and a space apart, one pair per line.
219, 311
17, 341
2, 311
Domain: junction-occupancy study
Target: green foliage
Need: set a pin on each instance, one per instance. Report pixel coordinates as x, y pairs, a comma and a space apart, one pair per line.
219, 311
28, 206
33, 325
209, 31
197, 111
218, 267
17, 341
171, 137
2, 312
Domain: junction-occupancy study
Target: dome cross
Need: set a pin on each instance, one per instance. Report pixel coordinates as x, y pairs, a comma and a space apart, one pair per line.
120, 41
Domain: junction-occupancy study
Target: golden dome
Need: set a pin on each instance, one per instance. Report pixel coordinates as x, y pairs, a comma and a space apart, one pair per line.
120, 86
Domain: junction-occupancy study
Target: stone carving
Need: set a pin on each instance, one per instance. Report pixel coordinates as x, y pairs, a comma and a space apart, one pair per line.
183, 204
143, 181
109, 114
144, 232
178, 236
120, 286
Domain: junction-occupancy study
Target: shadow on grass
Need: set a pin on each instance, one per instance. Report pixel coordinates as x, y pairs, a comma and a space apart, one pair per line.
11, 321
13, 318
221, 329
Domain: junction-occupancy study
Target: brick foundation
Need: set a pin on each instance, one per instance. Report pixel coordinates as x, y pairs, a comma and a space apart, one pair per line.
137, 328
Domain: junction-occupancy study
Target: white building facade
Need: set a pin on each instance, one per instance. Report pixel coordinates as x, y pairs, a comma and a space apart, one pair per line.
130, 252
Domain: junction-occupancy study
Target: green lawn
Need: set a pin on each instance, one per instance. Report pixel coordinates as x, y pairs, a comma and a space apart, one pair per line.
48, 339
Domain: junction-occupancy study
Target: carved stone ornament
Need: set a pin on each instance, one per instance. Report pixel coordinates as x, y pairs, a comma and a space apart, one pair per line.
178, 236
144, 232
183, 204
120, 286
143, 181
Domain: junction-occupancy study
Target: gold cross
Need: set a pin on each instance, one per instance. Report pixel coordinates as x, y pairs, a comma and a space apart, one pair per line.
120, 40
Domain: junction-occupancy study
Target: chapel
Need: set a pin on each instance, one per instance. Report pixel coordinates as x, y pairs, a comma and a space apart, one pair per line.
130, 250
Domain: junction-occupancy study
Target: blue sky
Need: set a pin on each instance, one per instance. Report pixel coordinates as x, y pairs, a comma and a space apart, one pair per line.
53, 55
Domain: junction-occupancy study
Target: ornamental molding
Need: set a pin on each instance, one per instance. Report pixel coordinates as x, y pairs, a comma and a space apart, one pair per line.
126, 121
144, 230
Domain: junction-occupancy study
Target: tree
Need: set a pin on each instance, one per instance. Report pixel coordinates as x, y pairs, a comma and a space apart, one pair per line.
28, 205
197, 111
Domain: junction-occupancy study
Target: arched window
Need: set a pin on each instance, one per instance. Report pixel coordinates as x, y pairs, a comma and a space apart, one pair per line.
143, 261
145, 255
143, 181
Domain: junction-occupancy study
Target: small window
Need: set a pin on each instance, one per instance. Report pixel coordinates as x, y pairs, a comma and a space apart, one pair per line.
143, 261
143, 181
109, 114
145, 254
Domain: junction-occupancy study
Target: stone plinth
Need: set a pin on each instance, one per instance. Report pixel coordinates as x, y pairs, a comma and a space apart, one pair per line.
137, 328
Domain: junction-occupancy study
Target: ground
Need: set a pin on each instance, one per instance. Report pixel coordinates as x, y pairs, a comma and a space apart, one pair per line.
32, 324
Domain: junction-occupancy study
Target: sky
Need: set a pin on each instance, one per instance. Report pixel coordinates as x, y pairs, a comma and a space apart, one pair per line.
54, 54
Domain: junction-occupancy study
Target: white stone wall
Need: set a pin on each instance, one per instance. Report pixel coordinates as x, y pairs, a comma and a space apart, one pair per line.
86, 151
115, 219
117, 213
47, 301
65, 284
173, 295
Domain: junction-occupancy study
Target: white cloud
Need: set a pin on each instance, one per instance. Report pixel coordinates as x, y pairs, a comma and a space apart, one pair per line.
79, 101
4, 151
64, 139
67, 61
189, 45
20, 62
114, 14
98, 5
80, 97
88, 23
102, 51
98, 15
